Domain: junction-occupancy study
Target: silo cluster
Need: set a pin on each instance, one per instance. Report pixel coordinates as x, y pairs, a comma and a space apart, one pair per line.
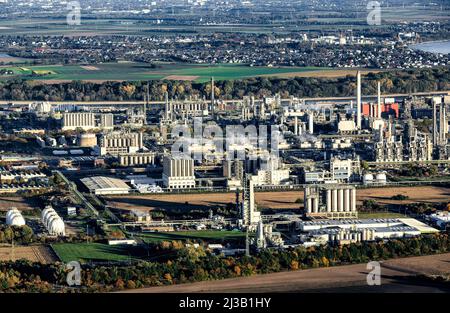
311, 202
14, 218
335, 199
345, 234
53, 222
341, 199
368, 234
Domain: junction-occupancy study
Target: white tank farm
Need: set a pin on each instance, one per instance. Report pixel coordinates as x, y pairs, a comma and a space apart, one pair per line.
53, 222
14, 218
381, 177
367, 179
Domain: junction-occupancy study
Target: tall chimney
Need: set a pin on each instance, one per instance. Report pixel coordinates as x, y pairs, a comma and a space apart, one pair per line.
358, 100
311, 123
296, 126
166, 105
212, 97
379, 100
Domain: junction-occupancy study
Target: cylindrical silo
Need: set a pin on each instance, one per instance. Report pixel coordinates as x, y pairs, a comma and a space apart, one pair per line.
341, 200
353, 199
334, 200
328, 200
347, 207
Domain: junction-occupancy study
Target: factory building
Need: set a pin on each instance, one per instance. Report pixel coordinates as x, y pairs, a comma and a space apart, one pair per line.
233, 171
8, 177
441, 219
178, 173
87, 121
388, 148
346, 126
116, 143
345, 170
346, 231
184, 109
336, 201
250, 216
440, 127
101, 185
131, 159
440, 124
266, 237
87, 140
418, 145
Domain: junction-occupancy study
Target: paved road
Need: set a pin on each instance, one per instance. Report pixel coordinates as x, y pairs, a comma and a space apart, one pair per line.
396, 274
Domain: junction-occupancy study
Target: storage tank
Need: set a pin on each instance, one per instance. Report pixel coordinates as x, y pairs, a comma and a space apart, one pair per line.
53, 222
381, 178
87, 140
367, 179
76, 151
14, 218
56, 226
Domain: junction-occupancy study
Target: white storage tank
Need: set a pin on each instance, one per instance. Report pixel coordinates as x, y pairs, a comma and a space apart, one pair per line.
53, 222
14, 218
367, 179
381, 178
76, 151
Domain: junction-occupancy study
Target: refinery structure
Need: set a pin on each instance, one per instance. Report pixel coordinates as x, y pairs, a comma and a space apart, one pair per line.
130, 166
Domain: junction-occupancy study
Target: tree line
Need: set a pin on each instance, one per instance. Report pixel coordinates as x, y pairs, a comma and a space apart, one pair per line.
404, 81
190, 264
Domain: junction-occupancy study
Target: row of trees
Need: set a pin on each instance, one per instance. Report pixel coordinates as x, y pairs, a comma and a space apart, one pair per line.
406, 81
17, 234
191, 264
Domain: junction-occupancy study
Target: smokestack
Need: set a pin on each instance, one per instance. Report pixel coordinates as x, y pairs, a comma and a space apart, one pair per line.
166, 106
144, 109
296, 126
311, 123
379, 100
212, 96
358, 100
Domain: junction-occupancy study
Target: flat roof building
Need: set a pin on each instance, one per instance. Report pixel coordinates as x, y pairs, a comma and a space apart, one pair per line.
101, 185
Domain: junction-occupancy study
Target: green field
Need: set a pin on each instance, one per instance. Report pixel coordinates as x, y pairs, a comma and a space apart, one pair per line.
85, 252
140, 71
207, 235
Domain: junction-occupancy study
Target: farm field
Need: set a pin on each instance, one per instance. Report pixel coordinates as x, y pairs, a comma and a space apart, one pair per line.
20, 203
129, 71
397, 276
272, 200
85, 252
41, 253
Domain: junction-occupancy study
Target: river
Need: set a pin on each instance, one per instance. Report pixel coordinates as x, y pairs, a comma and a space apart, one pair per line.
442, 46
